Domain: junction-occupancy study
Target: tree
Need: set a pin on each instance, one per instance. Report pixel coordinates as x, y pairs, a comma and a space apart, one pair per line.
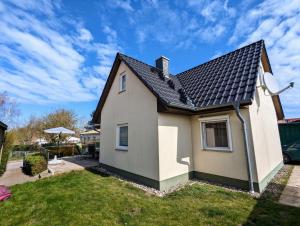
7, 146
31, 131
8, 108
59, 118
35, 126
92, 116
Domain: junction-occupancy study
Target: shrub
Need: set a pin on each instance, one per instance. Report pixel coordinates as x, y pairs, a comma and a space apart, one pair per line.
7, 146
26, 147
34, 164
64, 150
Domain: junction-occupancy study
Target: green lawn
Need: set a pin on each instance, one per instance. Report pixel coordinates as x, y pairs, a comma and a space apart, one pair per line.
85, 198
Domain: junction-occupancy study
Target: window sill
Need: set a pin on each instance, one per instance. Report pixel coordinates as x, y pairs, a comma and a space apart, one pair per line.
122, 91
121, 148
217, 149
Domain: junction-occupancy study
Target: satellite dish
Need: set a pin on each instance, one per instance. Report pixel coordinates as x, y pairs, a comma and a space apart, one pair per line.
271, 84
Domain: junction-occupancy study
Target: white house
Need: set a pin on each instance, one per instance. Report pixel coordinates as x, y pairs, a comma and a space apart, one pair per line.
213, 122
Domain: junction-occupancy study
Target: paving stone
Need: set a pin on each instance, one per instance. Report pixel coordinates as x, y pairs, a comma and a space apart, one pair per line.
291, 193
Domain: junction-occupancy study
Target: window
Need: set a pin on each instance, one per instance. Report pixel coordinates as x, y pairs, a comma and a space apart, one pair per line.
216, 133
122, 137
122, 83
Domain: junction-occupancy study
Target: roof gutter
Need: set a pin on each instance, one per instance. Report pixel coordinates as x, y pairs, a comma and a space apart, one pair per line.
236, 106
199, 109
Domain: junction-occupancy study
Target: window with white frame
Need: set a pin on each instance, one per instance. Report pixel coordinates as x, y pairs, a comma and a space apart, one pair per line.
122, 83
215, 133
122, 137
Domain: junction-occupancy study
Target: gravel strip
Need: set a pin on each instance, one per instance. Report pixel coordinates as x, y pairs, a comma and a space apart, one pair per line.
145, 188
274, 188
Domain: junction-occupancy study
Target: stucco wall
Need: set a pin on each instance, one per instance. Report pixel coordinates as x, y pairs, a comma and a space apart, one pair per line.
137, 106
265, 133
175, 145
227, 164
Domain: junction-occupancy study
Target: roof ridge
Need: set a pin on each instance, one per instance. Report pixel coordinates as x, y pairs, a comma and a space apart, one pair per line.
121, 54
179, 74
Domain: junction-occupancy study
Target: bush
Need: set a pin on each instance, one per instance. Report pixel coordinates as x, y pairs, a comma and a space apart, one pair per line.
64, 150
7, 146
26, 147
34, 164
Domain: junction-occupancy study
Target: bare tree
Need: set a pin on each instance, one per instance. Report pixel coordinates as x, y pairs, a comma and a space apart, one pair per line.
8, 108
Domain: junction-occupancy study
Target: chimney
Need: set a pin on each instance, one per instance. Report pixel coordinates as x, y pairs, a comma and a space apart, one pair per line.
162, 63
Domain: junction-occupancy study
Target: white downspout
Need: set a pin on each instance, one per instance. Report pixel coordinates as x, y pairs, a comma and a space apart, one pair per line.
247, 148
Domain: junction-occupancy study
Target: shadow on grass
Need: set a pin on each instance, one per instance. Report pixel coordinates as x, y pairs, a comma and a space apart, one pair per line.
268, 211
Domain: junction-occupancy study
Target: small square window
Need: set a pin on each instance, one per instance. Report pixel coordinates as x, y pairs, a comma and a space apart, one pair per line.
216, 134
122, 137
122, 83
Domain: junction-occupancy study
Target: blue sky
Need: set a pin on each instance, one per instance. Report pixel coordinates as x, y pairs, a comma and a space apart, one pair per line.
57, 54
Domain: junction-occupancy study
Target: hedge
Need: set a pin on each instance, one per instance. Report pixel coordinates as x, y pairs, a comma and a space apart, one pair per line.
64, 150
26, 147
34, 164
7, 146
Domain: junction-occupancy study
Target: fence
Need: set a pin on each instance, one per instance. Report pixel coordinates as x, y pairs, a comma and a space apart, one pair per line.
17, 154
289, 133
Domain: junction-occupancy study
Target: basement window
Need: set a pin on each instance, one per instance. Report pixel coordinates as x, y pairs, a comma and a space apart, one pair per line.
215, 133
122, 83
122, 137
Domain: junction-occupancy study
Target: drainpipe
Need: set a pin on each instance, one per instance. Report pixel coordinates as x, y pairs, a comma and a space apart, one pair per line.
246, 143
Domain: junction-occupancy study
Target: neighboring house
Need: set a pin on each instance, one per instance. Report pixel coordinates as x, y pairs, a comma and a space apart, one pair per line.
161, 130
288, 120
73, 140
40, 141
3, 127
89, 136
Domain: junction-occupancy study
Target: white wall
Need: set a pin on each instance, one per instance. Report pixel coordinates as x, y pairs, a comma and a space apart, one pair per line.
137, 106
175, 145
265, 133
228, 164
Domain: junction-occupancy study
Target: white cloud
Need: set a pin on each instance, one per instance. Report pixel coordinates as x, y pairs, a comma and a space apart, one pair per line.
85, 35
277, 22
180, 25
123, 4
45, 61
212, 10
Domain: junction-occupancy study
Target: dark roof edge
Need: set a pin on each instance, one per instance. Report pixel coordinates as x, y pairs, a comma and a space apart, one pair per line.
276, 99
3, 125
105, 90
199, 109
219, 57
108, 84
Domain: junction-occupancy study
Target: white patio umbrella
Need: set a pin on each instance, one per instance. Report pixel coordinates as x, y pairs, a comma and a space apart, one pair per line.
59, 131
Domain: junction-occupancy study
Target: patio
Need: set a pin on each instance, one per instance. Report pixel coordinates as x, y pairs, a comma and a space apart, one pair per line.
14, 174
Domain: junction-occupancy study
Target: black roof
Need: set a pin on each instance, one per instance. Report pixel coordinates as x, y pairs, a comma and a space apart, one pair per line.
153, 79
224, 80
3, 126
228, 79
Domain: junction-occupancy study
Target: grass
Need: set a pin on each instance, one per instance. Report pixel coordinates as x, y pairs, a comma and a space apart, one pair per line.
85, 198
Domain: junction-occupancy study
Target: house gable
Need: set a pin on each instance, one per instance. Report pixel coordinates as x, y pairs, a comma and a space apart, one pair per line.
134, 108
112, 75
